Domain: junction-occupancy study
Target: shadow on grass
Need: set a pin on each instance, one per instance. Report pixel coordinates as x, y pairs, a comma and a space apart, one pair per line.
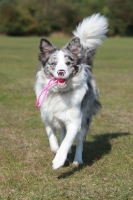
93, 151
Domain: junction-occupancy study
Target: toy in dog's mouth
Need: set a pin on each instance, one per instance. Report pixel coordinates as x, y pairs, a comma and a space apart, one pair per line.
61, 83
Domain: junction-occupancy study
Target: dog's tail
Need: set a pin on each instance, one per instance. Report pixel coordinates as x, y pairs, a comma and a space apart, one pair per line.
92, 30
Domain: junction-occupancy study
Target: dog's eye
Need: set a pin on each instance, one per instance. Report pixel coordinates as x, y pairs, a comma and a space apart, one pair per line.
68, 63
53, 63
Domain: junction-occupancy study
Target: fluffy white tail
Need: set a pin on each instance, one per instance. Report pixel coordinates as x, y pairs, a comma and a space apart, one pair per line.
92, 30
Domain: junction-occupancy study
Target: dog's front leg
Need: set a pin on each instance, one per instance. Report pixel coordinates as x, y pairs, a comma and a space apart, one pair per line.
52, 139
59, 160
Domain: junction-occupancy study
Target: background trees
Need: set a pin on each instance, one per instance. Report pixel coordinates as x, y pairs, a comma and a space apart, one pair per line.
41, 17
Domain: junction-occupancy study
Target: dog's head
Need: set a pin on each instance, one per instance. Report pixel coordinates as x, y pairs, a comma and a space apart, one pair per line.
62, 64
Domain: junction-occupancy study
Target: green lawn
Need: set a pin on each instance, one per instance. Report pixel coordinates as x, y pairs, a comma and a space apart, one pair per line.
25, 156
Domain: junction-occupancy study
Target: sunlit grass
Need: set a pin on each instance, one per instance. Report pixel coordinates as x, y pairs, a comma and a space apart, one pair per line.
25, 157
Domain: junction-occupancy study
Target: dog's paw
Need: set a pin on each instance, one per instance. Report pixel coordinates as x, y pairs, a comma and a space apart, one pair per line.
54, 149
59, 160
77, 162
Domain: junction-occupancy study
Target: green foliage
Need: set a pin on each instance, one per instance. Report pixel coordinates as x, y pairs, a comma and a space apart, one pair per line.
121, 17
41, 17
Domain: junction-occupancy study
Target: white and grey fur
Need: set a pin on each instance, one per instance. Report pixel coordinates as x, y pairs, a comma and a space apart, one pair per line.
69, 108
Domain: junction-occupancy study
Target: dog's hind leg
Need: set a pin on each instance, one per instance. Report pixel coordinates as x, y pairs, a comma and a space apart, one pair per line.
79, 147
78, 155
62, 134
52, 139
80, 138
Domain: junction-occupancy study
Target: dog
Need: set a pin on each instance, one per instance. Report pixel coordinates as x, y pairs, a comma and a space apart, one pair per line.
73, 99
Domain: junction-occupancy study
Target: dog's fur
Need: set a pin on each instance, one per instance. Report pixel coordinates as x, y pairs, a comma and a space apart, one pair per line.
69, 106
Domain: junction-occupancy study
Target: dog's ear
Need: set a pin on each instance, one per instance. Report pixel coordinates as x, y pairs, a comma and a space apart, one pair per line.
74, 47
46, 48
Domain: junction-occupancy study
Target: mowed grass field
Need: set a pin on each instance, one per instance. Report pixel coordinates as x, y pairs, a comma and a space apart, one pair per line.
25, 156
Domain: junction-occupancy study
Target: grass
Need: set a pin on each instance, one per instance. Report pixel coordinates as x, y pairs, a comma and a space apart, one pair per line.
25, 157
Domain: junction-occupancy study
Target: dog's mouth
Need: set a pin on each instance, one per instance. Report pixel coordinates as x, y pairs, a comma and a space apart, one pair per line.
61, 82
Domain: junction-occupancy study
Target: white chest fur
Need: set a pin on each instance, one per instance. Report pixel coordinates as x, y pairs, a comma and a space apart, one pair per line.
61, 107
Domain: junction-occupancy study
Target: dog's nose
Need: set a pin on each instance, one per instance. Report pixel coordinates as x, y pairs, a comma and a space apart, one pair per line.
61, 72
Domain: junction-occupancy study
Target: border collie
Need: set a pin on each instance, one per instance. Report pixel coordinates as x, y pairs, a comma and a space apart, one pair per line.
72, 99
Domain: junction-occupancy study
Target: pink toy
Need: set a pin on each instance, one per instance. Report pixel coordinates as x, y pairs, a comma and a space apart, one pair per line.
44, 92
